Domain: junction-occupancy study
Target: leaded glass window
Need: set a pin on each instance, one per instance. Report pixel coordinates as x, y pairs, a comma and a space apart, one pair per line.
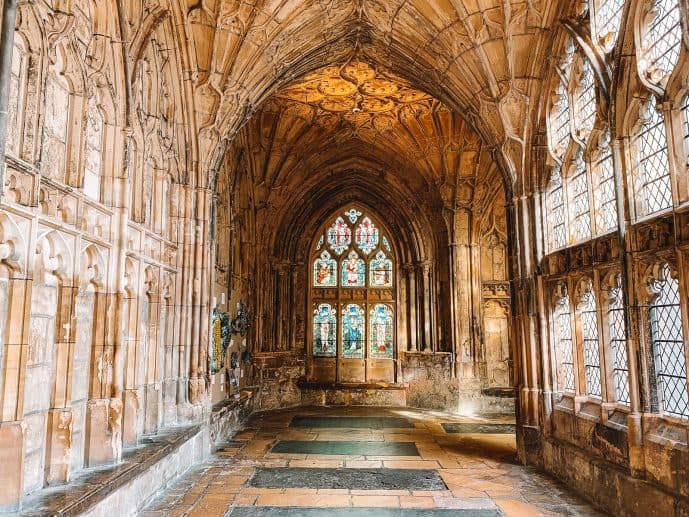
352, 289
685, 125
660, 46
560, 121
580, 212
565, 347
585, 100
668, 345
617, 329
555, 202
608, 15
604, 198
652, 178
589, 336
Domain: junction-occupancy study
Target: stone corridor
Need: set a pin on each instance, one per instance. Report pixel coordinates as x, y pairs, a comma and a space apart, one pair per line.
368, 461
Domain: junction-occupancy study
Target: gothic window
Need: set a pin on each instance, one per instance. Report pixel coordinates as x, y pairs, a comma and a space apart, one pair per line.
580, 212
557, 230
685, 124
661, 36
652, 177
560, 121
604, 199
584, 100
564, 343
589, 337
607, 15
352, 280
668, 345
617, 331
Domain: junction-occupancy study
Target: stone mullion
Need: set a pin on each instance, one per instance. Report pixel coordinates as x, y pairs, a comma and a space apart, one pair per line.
608, 395
631, 301
412, 307
425, 270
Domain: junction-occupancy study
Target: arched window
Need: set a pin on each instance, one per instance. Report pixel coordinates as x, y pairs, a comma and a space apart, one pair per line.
661, 36
556, 219
668, 345
563, 338
578, 189
353, 300
652, 176
607, 17
604, 198
617, 333
589, 337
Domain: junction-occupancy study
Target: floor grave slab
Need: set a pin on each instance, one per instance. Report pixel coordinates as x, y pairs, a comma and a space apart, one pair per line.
285, 511
353, 479
349, 448
478, 428
351, 422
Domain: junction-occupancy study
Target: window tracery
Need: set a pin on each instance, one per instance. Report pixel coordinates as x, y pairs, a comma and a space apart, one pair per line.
580, 211
352, 280
652, 176
607, 17
617, 335
589, 336
565, 345
660, 41
604, 198
668, 344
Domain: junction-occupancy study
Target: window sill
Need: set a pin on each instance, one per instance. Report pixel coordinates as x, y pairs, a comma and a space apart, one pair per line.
666, 430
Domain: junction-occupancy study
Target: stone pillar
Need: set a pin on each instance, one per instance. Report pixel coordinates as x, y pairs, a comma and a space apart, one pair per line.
12, 461
412, 304
425, 272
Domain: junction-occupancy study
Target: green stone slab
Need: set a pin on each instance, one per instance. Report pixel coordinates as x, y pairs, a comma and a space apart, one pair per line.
286, 511
354, 479
346, 448
351, 422
477, 428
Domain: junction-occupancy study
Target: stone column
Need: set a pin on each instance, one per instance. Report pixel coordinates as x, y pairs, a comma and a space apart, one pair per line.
425, 273
409, 269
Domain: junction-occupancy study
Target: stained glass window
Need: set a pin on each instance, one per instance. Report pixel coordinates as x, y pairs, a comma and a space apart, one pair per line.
353, 329
353, 271
339, 236
381, 271
662, 36
325, 271
668, 345
589, 335
652, 178
324, 331
565, 345
608, 15
381, 331
366, 236
618, 345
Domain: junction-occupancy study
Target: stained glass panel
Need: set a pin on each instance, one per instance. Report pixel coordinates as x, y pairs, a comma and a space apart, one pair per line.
381, 271
324, 331
325, 271
353, 271
386, 244
320, 243
367, 236
339, 236
352, 214
353, 329
381, 325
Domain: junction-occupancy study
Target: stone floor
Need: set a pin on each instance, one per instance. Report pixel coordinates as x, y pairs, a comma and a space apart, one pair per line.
426, 470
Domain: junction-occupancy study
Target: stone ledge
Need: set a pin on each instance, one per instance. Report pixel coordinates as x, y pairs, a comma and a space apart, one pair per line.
320, 385
93, 488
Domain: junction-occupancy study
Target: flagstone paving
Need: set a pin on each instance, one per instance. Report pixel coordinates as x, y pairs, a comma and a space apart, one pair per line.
476, 474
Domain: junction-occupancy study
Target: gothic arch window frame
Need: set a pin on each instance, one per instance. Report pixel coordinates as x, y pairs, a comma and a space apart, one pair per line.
564, 364
606, 15
588, 340
340, 298
19, 117
655, 315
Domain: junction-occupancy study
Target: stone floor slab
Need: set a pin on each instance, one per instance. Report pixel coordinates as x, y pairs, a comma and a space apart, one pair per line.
276, 511
353, 479
348, 448
477, 428
351, 422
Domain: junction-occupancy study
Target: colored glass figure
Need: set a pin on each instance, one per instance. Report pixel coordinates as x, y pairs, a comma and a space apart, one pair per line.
386, 244
339, 236
320, 243
325, 271
367, 236
353, 271
381, 271
381, 331
353, 214
353, 327
324, 331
